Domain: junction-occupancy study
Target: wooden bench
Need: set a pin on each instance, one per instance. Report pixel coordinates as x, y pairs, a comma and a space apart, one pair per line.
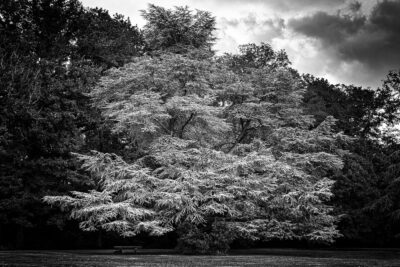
121, 249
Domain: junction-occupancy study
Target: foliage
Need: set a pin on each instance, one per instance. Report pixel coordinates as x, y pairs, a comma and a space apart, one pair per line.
256, 56
40, 28
389, 110
42, 109
386, 205
368, 115
175, 29
45, 112
360, 112
109, 41
64, 29
196, 239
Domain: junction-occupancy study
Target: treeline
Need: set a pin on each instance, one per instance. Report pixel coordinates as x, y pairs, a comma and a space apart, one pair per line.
160, 108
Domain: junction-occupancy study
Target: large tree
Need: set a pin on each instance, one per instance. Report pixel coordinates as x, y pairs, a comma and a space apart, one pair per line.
220, 156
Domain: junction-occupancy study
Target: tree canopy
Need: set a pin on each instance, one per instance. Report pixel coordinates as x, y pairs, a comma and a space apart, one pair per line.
215, 149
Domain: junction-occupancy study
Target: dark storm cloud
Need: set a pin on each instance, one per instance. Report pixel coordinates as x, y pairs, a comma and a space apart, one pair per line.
373, 39
331, 29
303, 4
287, 4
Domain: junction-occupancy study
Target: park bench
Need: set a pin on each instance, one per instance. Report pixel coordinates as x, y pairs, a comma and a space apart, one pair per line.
121, 249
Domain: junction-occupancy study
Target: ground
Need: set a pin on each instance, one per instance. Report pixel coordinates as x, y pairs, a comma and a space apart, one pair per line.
262, 257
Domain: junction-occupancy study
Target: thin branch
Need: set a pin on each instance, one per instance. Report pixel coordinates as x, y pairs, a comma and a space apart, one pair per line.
185, 124
163, 127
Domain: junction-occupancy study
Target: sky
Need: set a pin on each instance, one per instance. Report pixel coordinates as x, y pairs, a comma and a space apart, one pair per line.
344, 41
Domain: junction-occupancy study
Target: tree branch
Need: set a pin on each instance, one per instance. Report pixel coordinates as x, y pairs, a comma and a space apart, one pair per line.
243, 134
185, 124
163, 127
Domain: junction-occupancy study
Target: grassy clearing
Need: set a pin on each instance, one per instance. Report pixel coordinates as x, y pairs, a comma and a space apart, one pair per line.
294, 258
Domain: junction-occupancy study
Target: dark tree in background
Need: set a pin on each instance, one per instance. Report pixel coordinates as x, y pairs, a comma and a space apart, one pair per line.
364, 189
109, 41
48, 62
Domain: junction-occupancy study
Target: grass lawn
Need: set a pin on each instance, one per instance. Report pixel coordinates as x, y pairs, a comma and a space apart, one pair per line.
261, 257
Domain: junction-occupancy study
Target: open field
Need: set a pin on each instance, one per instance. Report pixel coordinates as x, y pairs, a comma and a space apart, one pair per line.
266, 257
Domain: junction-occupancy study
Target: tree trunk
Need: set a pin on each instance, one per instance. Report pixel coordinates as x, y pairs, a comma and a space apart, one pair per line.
2, 241
100, 240
20, 237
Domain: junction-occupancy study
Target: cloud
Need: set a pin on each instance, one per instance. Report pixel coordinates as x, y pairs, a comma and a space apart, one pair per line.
304, 4
251, 28
371, 41
265, 28
330, 29
283, 5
